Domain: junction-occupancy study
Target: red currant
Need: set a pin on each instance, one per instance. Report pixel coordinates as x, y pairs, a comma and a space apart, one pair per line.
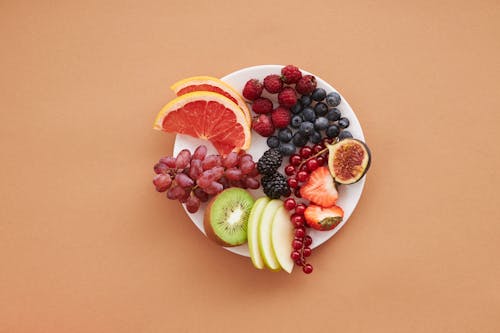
292, 182
308, 240
306, 252
317, 148
297, 244
302, 176
295, 255
300, 209
307, 268
327, 141
299, 262
312, 164
303, 167
297, 192
321, 160
289, 170
305, 152
300, 232
297, 220
295, 159
290, 203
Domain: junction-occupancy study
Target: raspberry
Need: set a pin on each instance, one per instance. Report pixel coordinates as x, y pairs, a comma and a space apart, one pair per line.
253, 89
306, 85
262, 105
263, 125
280, 117
273, 83
291, 74
287, 97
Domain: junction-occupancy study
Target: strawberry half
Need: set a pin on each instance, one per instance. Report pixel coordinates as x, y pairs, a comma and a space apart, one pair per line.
320, 188
320, 218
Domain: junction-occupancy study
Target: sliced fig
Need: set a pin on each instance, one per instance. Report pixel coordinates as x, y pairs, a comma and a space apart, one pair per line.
348, 160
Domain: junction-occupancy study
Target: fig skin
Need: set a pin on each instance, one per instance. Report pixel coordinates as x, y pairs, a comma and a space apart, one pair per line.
330, 160
208, 227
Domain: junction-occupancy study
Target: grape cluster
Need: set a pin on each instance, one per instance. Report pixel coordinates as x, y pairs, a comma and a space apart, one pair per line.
193, 178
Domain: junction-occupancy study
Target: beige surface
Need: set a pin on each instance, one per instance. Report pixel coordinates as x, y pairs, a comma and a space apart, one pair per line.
86, 245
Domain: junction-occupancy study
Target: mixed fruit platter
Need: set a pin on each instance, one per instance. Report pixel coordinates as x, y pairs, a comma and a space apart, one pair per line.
268, 162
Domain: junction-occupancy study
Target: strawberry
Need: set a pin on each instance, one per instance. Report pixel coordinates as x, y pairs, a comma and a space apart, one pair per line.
263, 125
320, 218
320, 188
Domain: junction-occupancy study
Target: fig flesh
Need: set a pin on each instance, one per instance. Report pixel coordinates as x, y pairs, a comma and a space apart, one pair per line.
348, 160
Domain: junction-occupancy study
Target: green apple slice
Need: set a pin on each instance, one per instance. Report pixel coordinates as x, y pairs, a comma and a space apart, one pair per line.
265, 225
253, 231
281, 239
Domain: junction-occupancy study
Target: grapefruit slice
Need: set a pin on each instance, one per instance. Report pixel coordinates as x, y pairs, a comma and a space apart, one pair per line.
213, 84
206, 115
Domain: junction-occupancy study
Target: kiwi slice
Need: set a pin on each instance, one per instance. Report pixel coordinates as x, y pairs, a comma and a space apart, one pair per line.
226, 217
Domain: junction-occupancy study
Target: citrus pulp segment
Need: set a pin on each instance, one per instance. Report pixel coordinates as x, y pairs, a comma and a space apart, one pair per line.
213, 84
206, 115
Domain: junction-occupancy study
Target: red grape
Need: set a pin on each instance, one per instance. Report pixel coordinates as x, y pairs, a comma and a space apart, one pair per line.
168, 161
214, 188
160, 168
252, 183
233, 174
176, 192
247, 166
162, 182
183, 158
210, 162
200, 194
193, 204
200, 152
246, 157
195, 169
183, 180
231, 160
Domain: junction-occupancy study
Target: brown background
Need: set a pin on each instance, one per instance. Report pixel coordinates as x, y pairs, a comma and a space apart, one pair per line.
87, 245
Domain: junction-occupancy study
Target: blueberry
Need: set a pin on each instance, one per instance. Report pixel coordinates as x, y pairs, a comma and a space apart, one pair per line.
315, 137
333, 115
306, 128
333, 99
343, 122
285, 135
332, 131
321, 123
296, 121
299, 140
273, 142
308, 114
305, 100
321, 109
287, 149
296, 108
318, 94
345, 135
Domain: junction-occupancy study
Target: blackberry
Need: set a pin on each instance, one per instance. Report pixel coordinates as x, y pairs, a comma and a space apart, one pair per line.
275, 185
269, 162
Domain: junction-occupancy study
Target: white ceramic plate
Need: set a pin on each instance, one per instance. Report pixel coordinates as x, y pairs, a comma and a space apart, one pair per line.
348, 195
